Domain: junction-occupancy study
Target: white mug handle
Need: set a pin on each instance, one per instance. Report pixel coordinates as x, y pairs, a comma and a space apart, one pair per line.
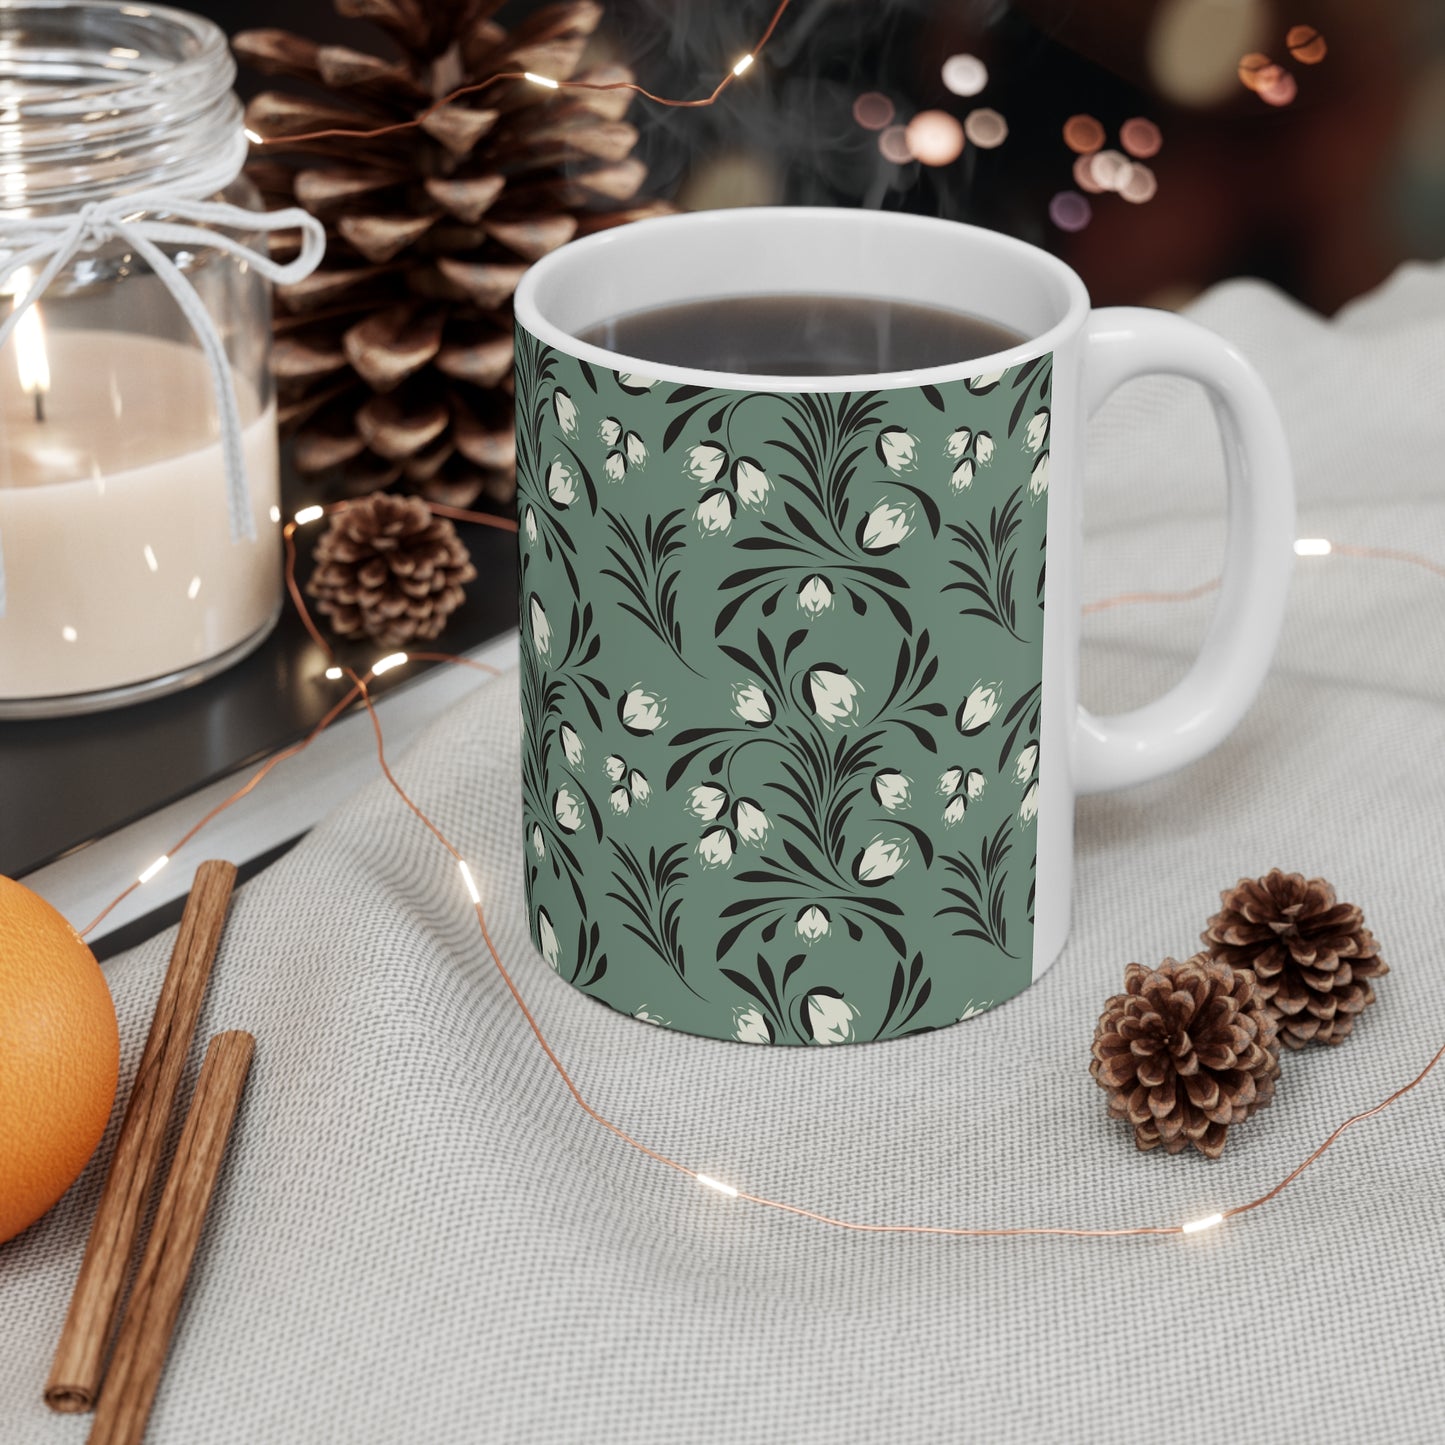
1198, 713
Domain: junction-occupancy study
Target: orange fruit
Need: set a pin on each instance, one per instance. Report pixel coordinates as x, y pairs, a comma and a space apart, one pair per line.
59, 1056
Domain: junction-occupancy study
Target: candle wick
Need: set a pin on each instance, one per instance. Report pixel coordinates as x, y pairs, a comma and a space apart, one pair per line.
39, 404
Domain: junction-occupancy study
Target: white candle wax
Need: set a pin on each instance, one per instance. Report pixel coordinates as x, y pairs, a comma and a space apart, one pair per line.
114, 522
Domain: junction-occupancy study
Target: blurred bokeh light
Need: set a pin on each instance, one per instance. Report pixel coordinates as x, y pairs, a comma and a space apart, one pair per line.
965, 74
934, 137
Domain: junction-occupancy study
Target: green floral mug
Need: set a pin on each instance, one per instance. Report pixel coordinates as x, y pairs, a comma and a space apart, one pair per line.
799, 662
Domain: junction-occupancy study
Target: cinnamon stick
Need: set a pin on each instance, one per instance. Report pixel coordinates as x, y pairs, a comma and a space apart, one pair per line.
79, 1362
155, 1298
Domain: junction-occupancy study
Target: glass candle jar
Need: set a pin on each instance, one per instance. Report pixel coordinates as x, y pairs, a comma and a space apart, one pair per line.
134, 562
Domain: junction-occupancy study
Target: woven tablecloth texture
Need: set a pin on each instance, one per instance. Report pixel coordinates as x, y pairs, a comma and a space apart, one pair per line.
418, 1237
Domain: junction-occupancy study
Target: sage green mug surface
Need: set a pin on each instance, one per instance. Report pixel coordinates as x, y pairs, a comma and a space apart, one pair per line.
800, 732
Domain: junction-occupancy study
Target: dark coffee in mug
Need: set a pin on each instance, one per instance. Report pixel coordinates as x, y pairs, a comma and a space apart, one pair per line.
802, 335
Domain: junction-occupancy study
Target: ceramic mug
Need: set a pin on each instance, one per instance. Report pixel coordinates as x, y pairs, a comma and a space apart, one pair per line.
799, 659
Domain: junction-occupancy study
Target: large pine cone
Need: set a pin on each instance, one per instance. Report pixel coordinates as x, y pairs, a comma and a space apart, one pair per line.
1313, 957
388, 570
1187, 1050
394, 360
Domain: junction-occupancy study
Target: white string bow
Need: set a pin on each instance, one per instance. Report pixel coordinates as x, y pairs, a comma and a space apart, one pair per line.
52, 242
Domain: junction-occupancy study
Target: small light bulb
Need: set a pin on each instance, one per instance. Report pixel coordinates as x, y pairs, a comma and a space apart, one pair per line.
385, 664
275, 513
541, 80
333, 674
1195, 1225
309, 514
256, 140
1313, 547
469, 880
709, 1182
742, 64
155, 868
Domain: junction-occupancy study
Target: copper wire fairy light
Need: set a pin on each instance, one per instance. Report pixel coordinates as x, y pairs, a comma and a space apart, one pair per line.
360, 690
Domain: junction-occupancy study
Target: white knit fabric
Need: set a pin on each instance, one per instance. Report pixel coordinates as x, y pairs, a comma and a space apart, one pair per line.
419, 1237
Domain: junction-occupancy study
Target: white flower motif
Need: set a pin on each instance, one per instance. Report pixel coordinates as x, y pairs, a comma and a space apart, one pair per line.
706, 802
615, 466
541, 628
566, 410
957, 807
884, 527
815, 596
880, 860
716, 848
962, 478
750, 821
643, 1016
972, 1010
567, 809
957, 443
705, 462
539, 843
561, 485
812, 924
641, 788
636, 450
614, 767
983, 448
530, 523
641, 712
609, 429
950, 781
620, 799
1025, 763
832, 695
547, 938
750, 482
1029, 808
830, 1018
978, 708
751, 704
1039, 477
715, 513
890, 788
897, 449
751, 1027
1038, 432
571, 744
984, 382
974, 784
635, 382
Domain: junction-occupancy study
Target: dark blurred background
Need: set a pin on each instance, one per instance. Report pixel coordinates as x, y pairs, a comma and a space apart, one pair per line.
1302, 141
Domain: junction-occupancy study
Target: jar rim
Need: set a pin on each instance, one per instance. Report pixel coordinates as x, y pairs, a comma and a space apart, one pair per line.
210, 45
105, 97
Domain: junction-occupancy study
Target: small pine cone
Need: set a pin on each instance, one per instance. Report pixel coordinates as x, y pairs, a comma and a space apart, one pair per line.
1185, 1051
387, 569
1313, 957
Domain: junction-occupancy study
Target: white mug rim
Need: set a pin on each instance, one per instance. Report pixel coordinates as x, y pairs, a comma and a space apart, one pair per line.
612, 244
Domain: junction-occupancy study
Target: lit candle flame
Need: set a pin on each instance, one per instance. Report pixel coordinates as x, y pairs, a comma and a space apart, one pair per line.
31, 359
